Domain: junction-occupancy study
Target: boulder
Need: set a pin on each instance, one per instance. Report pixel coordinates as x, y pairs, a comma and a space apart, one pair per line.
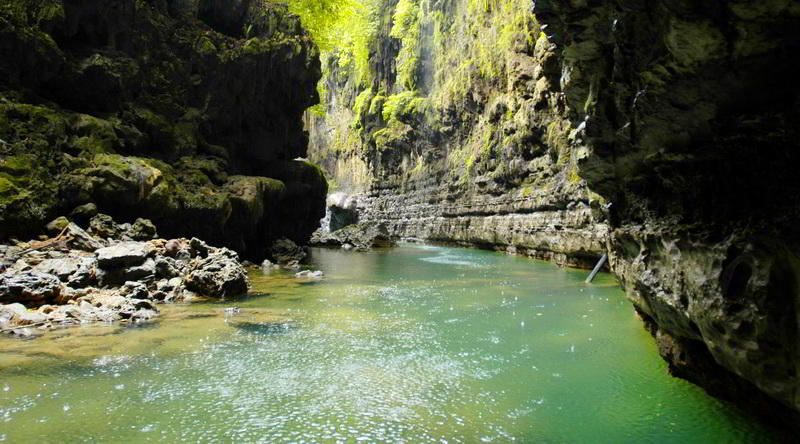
63, 268
284, 251
123, 254
102, 225
142, 230
220, 275
84, 213
78, 239
32, 288
359, 236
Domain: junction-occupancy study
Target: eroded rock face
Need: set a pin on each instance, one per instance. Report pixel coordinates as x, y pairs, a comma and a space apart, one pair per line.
128, 107
686, 119
471, 147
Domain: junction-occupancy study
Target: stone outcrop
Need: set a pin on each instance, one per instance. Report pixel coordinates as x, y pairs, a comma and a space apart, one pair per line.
686, 120
188, 113
361, 237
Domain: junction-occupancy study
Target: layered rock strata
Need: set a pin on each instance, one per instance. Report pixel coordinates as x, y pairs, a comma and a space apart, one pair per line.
460, 135
188, 113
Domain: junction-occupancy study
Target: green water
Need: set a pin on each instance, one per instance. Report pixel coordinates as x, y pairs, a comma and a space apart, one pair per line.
420, 344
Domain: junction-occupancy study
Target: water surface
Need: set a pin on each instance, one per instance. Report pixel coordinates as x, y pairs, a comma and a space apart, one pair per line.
419, 344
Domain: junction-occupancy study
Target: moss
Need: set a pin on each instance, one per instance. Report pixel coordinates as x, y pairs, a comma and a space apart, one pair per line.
18, 166
6, 187
527, 191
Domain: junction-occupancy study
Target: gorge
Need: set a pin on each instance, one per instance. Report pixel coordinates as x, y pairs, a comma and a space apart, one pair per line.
661, 133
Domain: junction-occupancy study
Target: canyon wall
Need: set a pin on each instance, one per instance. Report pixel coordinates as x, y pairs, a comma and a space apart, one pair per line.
663, 132
456, 133
689, 120
187, 112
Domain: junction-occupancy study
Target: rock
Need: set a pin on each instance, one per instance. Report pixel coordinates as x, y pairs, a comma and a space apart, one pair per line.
172, 247
360, 236
308, 274
268, 266
219, 275
56, 226
84, 275
84, 213
32, 288
198, 247
284, 251
79, 239
102, 225
166, 268
117, 276
63, 268
142, 230
135, 290
123, 254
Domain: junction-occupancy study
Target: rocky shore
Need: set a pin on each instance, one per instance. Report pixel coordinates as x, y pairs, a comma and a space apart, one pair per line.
82, 276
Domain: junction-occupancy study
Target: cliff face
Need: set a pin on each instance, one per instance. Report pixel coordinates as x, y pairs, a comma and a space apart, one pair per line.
187, 112
688, 125
479, 126
458, 134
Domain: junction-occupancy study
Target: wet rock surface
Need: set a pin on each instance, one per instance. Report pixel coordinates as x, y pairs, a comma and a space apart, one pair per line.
46, 284
360, 237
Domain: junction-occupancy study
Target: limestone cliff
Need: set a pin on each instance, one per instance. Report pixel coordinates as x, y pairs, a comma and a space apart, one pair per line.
494, 123
188, 112
687, 116
456, 132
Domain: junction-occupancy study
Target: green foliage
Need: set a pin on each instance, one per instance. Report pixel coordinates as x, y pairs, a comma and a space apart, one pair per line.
404, 106
406, 28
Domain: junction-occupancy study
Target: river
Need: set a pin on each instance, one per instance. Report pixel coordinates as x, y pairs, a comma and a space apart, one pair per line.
418, 344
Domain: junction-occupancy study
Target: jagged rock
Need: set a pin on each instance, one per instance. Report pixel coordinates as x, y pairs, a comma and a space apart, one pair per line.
63, 268
31, 288
142, 230
103, 226
79, 239
360, 236
123, 254
284, 251
117, 276
198, 247
219, 275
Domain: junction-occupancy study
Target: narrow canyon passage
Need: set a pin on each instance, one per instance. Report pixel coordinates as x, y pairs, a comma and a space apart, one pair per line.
417, 344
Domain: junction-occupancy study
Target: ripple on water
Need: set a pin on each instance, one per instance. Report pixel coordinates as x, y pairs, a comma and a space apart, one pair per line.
383, 350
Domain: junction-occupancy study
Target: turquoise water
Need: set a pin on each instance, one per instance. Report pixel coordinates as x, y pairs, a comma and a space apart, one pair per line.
419, 344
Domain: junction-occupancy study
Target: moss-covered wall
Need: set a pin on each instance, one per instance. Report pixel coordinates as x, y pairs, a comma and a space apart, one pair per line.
151, 108
461, 104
